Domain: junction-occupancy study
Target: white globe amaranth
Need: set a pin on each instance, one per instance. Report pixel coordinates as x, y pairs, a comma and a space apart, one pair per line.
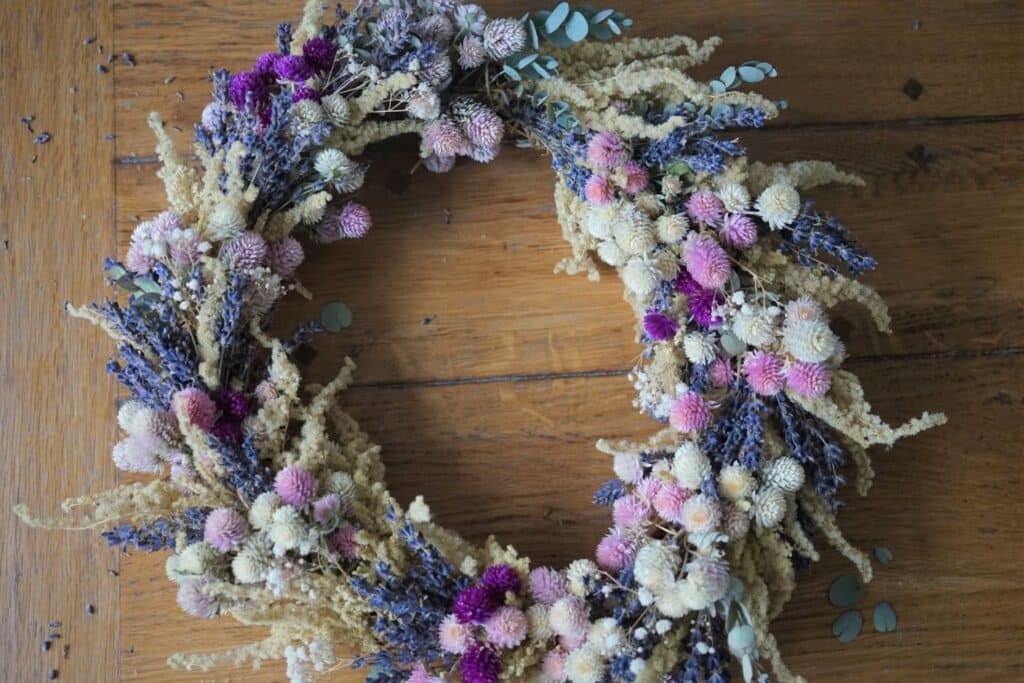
261, 513
735, 482
656, 565
769, 507
639, 277
671, 228
809, 340
778, 205
610, 252
734, 197
690, 466
700, 348
785, 473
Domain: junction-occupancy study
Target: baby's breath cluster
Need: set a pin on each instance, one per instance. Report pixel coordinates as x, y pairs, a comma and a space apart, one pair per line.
272, 502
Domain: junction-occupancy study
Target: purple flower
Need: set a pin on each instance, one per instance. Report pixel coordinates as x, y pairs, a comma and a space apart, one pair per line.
500, 579
227, 430
319, 53
248, 82
293, 68
659, 326
474, 605
304, 93
232, 403
702, 301
264, 65
480, 664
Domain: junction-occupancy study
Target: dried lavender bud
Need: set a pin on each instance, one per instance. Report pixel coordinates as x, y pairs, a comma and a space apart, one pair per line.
42, 138
46, 645
90, 609
52, 675
89, 41
54, 624
169, 80
127, 58
101, 69
111, 58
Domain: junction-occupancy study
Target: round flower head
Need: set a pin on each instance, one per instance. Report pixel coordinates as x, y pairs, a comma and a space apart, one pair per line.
628, 467
249, 567
809, 379
248, 87
285, 255
227, 431
419, 675
764, 372
343, 542
295, 486
264, 65
503, 38
734, 196
225, 529
232, 403
335, 108
546, 585
507, 627
735, 482
660, 327
454, 636
606, 150
248, 250
720, 373
436, 28
738, 230
668, 502
803, 308
354, 220
689, 413
709, 577
293, 68
699, 348
809, 340
303, 93
196, 407
439, 164
325, 507
500, 579
319, 53
484, 128
701, 514
778, 205
769, 507
735, 522
706, 261
615, 551
445, 137
138, 454
785, 474
636, 177
690, 465
656, 565
570, 617
480, 664
647, 488
137, 260
471, 52
705, 207
753, 327
579, 575
474, 605
585, 665
629, 512
193, 599
598, 191
553, 666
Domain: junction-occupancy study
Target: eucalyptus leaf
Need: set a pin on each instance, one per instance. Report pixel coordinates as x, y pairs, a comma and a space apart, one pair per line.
527, 61
147, 285
748, 668
728, 77
577, 27
559, 39
885, 618
883, 554
335, 316
601, 16
677, 168
626, 22
847, 626
750, 74
600, 31
511, 72
531, 30
116, 272
717, 87
846, 591
721, 109
557, 17
613, 27
541, 71
741, 639
732, 344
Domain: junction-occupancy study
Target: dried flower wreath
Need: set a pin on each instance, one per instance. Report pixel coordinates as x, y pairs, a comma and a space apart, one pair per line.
273, 502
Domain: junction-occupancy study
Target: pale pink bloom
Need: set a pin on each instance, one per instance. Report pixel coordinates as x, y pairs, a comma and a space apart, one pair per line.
764, 372
598, 191
690, 413
809, 379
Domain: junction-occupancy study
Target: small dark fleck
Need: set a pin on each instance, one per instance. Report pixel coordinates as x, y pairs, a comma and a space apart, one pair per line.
111, 58
447, 216
53, 674
429, 319
54, 636
54, 624
99, 48
127, 58
89, 41
113, 572
101, 69
913, 88
90, 609
27, 122
921, 155
46, 645
34, 157
42, 138
7, 245
66, 651
108, 137
169, 80
134, 217
180, 95
176, 128
917, 24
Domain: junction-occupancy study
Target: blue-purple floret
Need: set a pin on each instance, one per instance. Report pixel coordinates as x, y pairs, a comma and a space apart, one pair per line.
609, 492
813, 443
813, 235
738, 430
159, 534
246, 473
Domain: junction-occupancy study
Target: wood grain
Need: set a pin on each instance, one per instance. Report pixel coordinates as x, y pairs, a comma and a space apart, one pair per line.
56, 406
491, 410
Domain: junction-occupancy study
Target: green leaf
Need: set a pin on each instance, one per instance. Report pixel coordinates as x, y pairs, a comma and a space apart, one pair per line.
750, 74
116, 272
885, 618
717, 87
601, 16
531, 29
577, 27
627, 22
677, 168
541, 71
732, 344
883, 554
728, 77
847, 627
600, 31
147, 285
336, 316
511, 73
557, 17
846, 591
613, 27
527, 61
559, 39
741, 639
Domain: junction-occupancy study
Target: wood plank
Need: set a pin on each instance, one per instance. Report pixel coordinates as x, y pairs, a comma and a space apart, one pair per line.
487, 276
56, 404
838, 61
944, 502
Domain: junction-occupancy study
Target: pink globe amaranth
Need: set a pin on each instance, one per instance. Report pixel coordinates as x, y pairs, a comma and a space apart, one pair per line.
690, 413
484, 128
629, 512
480, 664
439, 164
445, 137
193, 599
812, 380
547, 585
553, 666
285, 256
225, 529
668, 502
720, 373
343, 542
507, 627
738, 230
765, 372
137, 261
295, 486
615, 552
648, 488
325, 507
454, 636
606, 150
598, 191
248, 250
355, 220
705, 207
636, 177
196, 407
706, 261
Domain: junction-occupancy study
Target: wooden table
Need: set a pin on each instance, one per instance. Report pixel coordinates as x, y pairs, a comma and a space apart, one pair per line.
492, 408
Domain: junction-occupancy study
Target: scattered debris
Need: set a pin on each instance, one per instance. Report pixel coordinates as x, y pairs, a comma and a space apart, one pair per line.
89, 41
101, 69
921, 155
54, 636
429, 319
447, 216
917, 24
26, 121
54, 624
42, 138
90, 609
7, 245
134, 217
46, 645
66, 651
127, 58
34, 158
53, 675
180, 95
913, 88
169, 80
177, 128
111, 58
108, 137
114, 573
